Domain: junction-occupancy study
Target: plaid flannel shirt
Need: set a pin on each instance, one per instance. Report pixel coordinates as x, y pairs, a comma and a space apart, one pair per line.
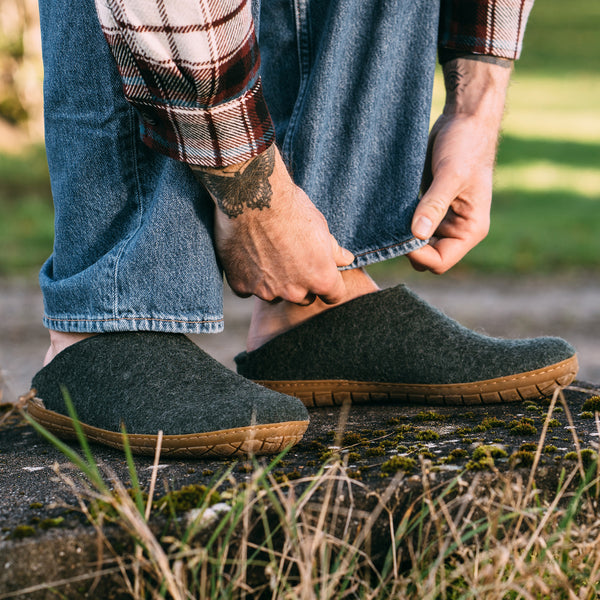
190, 67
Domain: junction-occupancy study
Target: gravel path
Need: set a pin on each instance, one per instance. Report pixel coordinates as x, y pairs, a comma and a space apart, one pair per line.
568, 307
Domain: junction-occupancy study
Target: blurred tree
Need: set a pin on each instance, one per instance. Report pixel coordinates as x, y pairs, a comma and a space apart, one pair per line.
20, 74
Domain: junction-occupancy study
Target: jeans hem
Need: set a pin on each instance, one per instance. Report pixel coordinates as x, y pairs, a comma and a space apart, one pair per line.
385, 252
113, 324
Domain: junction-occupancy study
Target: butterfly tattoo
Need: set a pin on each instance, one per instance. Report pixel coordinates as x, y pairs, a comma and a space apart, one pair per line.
249, 187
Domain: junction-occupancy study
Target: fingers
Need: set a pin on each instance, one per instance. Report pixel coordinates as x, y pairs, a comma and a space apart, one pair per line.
310, 298
341, 256
433, 206
337, 292
439, 255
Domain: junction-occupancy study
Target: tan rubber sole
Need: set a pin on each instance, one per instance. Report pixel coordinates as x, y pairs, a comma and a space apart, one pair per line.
259, 439
523, 386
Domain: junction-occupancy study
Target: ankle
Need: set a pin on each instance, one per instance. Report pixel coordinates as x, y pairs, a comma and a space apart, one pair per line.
59, 340
269, 320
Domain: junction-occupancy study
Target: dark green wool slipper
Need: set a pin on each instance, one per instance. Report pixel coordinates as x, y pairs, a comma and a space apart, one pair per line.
162, 381
391, 345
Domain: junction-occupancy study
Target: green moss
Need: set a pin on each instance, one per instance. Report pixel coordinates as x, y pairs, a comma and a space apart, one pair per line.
553, 423
456, 455
480, 465
295, 474
522, 458
429, 415
405, 429
588, 456
376, 451
187, 498
427, 454
354, 474
316, 446
550, 449
523, 427
493, 422
378, 433
532, 407
395, 420
467, 441
592, 404
207, 472
558, 409
279, 476
528, 447
245, 468
586, 414
398, 463
463, 430
484, 451
325, 456
481, 428
36, 505
22, 531
401, 448
353, 456
428, 435
352, 438
49, 523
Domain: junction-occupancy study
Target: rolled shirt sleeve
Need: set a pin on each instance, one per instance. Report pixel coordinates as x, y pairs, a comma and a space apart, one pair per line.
488, 27
190, 67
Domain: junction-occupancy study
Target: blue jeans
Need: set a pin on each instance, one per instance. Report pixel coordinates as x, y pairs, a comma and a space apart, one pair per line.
348, 83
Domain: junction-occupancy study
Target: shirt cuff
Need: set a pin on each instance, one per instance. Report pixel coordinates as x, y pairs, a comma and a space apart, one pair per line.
488, 27
228, 133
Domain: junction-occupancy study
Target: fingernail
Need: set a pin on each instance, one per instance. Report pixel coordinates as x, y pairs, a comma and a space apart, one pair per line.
422, 227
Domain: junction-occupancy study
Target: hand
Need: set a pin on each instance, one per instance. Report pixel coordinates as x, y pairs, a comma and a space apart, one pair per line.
271, 239
454, 211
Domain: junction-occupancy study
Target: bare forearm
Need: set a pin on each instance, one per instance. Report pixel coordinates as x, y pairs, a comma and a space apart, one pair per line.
476, 88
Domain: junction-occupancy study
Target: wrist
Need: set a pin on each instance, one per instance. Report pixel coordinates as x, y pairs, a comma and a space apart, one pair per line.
241, 187
475, 88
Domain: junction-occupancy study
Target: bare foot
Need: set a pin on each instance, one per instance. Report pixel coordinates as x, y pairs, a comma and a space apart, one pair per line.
271, 319
59, 340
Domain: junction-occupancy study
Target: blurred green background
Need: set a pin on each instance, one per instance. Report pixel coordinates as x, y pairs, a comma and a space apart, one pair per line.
546, 209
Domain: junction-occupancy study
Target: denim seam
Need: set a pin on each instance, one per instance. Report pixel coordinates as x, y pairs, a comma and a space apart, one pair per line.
388, 247
138, 196
109, 319
303, 45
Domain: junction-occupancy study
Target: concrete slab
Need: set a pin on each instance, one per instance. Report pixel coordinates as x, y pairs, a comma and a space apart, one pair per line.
44, 540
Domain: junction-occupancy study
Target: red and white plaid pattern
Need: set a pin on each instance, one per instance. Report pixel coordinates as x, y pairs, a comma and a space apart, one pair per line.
191, 69
492, 27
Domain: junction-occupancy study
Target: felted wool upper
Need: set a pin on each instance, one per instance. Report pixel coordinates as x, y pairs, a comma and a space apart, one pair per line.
157, 381
393, 336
